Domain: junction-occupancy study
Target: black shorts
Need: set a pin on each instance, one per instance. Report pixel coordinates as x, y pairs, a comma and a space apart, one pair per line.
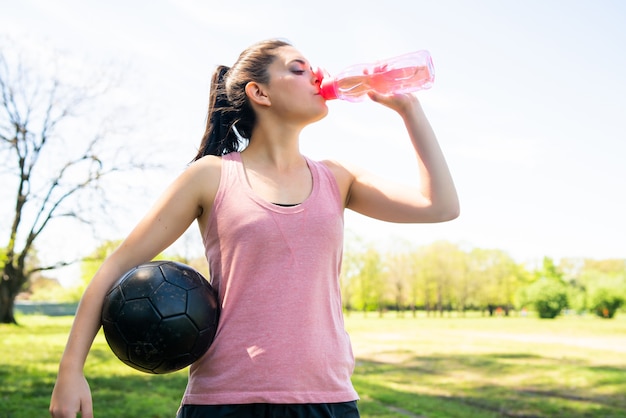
265, 410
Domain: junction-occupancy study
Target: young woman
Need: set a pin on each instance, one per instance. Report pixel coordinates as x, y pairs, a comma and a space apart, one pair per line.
272, 226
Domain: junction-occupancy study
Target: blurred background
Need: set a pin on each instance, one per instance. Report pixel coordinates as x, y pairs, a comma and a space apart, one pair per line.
527, 105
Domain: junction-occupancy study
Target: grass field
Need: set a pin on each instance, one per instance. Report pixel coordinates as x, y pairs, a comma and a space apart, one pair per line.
406, 367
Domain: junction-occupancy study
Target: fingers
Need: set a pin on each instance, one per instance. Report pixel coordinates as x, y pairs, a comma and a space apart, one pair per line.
86, 411
71, 397
87, 408
398, 102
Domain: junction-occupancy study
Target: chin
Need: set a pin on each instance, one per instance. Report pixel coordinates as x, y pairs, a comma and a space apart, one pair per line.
319, 117
323, 113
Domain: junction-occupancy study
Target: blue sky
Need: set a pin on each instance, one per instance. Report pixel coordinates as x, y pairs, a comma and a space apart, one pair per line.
528, 101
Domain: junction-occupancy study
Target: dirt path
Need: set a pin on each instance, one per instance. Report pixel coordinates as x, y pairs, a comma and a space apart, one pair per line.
615, 343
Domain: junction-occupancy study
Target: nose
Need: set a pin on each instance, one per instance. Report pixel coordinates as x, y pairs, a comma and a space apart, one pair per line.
318, 75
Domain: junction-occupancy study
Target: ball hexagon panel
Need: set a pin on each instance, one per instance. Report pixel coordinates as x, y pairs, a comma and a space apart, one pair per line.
144, 356
145, 280
180, 275
113, 304
179, 334
169, 300
138, 320
197, 307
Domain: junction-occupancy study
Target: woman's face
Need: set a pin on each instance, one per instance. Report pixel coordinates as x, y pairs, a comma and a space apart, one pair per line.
294, 89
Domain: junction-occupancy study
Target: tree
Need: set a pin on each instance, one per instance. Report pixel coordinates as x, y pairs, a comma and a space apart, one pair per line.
55, 160
416, 282
424, 280
607, 292
548, 293
548, 296
350, 270
443, 266
499, 277
372, 285
596, 285
89, 266
400, 275
605, 301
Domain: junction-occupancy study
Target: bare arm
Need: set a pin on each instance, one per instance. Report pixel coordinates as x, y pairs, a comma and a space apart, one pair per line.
432, 199
189, 197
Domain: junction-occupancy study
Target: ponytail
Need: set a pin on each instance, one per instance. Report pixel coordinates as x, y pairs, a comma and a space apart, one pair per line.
231, 118
220, 136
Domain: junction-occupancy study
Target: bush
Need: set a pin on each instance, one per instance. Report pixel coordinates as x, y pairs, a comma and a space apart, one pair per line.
548, 296
605, 301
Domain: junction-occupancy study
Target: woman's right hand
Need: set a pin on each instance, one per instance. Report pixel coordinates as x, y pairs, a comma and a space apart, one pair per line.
71, 395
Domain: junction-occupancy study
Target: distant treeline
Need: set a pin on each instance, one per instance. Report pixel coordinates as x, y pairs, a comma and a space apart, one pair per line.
443, 277
438, 278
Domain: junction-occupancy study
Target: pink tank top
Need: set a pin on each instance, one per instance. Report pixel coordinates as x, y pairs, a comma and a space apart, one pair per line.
281, 335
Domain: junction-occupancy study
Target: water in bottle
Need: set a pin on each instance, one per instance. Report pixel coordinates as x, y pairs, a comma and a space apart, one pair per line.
403, 74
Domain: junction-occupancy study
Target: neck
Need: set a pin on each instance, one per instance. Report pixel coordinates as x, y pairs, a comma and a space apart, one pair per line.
278, 145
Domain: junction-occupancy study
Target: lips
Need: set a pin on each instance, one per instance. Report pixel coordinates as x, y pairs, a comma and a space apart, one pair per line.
320, 74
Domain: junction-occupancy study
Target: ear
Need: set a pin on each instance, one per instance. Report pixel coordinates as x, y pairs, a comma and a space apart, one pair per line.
257, 94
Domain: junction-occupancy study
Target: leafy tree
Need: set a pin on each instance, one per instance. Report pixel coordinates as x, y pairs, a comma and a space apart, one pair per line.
425, 281
42, 288
548, 296
351, 266
548, 292
372, 281
605, 302
609, 266
500, 278
596, 285
400, 271
88, 268
443, 266
92, 263
416, 282
573, 273
607, 293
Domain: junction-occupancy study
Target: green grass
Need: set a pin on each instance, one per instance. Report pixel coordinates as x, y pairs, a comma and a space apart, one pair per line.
491, 367
406, 367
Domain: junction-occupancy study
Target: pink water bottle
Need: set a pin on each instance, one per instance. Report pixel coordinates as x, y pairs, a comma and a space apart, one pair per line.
403, 74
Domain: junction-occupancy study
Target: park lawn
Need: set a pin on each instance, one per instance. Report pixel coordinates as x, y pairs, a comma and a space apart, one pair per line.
492, 367
406, 367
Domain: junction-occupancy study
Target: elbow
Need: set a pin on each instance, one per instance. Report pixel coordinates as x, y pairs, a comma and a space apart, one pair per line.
452, 209
452, 214
448, 213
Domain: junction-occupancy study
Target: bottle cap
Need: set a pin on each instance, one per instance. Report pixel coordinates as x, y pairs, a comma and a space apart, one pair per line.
327, 84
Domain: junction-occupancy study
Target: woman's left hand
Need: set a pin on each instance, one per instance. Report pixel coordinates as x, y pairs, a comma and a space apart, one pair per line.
398, 102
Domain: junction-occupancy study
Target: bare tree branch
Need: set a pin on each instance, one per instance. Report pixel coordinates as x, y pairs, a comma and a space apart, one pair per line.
40, 116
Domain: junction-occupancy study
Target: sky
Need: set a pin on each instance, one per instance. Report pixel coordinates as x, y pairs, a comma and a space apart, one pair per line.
528, 102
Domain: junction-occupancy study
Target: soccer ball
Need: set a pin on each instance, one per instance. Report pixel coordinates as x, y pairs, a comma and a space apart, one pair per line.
160, 317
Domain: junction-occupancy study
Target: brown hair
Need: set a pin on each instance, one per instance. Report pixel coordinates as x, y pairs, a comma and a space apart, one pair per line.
230, 117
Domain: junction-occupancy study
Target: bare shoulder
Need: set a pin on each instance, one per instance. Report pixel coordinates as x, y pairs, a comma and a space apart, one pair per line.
337, 168
206, 172
209, 165
202, 179
344, 175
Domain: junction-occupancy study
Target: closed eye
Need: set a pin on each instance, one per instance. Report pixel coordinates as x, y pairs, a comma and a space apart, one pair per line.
299, 67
